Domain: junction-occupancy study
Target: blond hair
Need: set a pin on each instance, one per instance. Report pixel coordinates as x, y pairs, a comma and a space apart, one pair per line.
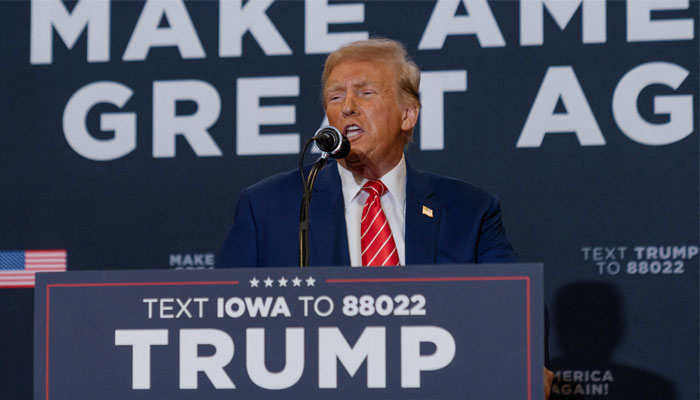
382, 50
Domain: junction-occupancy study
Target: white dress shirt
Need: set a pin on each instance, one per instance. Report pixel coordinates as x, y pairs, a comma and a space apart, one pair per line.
393, 203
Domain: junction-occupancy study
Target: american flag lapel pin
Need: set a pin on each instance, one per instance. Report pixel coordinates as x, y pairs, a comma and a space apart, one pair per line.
427, 211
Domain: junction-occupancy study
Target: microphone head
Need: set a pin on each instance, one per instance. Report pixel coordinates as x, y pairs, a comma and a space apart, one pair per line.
344, 149
329, 140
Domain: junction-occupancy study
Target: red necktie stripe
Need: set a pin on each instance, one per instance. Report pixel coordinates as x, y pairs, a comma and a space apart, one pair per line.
378, 246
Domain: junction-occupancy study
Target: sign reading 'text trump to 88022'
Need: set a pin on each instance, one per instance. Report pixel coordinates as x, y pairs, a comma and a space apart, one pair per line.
433, 332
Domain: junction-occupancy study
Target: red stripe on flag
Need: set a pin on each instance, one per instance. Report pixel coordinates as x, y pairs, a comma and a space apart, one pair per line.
17, 280
47, 269
47, 264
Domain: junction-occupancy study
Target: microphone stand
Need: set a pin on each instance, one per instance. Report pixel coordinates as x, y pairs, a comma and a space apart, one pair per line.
332, 144
306, 201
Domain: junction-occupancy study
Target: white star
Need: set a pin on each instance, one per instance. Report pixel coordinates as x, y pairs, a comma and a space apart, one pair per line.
296, 281
254, 282
268, 282
310, 281
282, 281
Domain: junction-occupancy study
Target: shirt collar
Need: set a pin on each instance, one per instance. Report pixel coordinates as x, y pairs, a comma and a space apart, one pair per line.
395, 181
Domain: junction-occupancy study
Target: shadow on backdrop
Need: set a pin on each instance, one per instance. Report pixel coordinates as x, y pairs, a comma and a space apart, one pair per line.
589, 323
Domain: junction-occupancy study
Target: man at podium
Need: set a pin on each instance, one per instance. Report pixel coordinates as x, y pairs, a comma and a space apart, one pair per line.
371, 208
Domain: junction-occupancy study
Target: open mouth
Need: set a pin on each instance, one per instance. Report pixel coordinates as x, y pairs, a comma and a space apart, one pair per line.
351, 131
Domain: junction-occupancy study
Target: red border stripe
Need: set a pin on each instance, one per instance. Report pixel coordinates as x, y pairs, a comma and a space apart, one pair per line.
529, 372
433, 279
144, 284
46, 382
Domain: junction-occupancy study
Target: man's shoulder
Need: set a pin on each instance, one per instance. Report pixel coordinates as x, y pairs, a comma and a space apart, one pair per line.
283, 182
446, 188
289, 184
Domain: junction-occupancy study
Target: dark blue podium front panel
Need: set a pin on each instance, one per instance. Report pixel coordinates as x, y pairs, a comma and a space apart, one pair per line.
433, 332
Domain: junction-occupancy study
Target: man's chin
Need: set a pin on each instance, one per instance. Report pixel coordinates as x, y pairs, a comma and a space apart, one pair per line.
353, 161
354, 157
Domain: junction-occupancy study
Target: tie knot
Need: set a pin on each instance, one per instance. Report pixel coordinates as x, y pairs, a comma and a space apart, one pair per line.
375, 188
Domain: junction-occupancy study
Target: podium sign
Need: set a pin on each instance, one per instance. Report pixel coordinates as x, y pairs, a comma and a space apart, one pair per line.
428, 332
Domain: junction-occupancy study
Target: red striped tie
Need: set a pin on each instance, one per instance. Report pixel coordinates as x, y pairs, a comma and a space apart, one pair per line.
378, 246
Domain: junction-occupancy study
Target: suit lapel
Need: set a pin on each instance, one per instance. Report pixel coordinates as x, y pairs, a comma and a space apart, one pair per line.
328, 236
423, 212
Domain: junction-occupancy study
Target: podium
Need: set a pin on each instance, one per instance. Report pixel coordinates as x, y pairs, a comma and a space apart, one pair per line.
416, 332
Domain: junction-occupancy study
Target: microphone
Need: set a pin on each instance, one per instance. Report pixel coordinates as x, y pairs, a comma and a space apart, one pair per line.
329, 140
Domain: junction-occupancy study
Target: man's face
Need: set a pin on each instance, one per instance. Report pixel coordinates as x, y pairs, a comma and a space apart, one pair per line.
363, 102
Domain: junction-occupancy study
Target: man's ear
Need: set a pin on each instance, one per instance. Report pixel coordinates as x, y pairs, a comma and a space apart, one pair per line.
409, 117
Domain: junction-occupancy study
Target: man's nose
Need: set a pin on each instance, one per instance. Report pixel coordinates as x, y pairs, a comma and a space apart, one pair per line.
349, 105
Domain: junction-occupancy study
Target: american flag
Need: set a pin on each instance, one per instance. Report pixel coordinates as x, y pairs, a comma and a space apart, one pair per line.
17, 267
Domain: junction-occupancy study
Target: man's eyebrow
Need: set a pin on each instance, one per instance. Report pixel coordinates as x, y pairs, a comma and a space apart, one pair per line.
354, 85
374, 85
332, 88
365, 83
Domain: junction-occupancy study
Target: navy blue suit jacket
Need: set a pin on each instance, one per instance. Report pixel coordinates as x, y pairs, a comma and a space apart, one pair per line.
465, 227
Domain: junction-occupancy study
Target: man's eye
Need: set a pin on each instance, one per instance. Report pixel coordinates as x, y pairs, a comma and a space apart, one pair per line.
368, 92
